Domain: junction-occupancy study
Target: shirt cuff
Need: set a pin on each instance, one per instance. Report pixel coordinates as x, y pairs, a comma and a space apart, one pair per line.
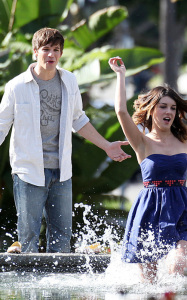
79, 123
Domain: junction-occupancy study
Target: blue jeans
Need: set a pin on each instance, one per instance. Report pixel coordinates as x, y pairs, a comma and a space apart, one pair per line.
54, 201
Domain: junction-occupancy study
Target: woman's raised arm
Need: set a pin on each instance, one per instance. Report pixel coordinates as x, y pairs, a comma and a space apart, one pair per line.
132, 133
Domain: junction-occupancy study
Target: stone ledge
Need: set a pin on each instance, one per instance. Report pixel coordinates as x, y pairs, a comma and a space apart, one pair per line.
54, 262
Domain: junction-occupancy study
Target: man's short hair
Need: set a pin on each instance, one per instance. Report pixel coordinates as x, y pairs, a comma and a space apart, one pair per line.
46, 36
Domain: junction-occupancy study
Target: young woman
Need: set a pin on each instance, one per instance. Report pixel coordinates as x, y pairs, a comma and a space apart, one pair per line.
157, 223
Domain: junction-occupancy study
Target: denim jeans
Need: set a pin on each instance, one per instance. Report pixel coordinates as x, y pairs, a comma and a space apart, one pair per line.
54, 201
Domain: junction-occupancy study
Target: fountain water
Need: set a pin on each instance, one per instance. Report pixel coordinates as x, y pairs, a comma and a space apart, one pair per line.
119, 281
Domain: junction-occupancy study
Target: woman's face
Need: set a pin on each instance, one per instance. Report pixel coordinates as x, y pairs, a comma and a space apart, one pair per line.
164, 113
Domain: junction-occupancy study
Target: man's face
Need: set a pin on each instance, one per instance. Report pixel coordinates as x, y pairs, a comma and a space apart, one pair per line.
48, 56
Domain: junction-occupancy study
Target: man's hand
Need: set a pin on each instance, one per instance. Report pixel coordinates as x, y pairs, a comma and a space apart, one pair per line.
115, 152
112, 149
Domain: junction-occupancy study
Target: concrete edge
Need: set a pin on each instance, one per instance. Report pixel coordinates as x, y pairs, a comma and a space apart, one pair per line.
54, 262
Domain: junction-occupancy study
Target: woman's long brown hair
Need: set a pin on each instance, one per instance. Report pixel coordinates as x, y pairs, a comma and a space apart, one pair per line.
145, 104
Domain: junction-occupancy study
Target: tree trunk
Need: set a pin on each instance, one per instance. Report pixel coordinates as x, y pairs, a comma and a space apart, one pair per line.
171, 41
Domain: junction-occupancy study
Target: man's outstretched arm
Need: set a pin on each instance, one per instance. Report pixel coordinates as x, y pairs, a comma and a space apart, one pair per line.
112, 149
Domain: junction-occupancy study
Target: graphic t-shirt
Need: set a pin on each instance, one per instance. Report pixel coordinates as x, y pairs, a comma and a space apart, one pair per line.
50, 109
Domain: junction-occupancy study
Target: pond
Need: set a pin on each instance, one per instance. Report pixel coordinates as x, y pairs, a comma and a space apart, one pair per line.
119, 280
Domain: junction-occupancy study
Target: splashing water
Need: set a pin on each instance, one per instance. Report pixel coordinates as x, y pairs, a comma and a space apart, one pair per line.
119, 281
88, 234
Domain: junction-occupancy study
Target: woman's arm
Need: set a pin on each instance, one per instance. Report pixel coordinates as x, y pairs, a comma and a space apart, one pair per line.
134, 136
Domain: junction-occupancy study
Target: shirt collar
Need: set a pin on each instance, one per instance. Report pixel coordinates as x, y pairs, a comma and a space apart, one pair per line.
60, 70
28, 74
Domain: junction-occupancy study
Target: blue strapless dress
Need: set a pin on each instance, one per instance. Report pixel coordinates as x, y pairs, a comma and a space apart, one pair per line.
158, 217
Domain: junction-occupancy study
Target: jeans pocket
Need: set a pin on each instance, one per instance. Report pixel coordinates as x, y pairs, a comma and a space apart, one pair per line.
13, 176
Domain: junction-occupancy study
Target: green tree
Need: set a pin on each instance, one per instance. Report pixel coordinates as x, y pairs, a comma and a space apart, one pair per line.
161, 24
90, 65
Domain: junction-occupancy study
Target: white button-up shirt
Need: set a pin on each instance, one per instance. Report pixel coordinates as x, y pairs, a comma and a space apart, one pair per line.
20, 108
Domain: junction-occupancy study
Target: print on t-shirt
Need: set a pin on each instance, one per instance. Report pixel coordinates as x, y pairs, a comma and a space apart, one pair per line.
50, 106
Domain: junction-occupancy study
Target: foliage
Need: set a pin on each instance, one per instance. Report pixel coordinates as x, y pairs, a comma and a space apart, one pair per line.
89, 65
144, 19
29, 16
97, 68
101, 175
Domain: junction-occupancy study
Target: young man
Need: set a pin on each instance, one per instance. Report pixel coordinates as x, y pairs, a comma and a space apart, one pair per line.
43, 105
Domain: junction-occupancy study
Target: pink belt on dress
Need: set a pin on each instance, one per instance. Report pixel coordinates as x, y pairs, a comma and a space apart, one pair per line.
164, 183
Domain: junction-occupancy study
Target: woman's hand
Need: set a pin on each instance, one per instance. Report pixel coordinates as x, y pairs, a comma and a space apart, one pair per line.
113, 62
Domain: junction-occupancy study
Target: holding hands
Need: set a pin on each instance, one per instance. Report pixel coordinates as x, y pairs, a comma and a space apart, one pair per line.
117, 64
